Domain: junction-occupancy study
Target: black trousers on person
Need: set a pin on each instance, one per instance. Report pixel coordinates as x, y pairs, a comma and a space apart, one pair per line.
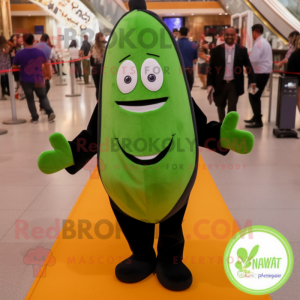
78, 72
140, 236
40, 91
255, 100
47, 83
58, 68
190, 77
5, 84
47, 86
96, 71
226, 94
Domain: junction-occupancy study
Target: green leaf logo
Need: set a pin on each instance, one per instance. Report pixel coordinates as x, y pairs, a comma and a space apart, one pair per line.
245, 259
238, 265
243, 255
253, 252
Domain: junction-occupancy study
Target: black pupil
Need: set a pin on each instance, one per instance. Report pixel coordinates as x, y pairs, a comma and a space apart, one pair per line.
127, 79
151, 77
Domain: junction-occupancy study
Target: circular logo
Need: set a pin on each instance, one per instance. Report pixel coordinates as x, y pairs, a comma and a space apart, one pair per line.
258, 260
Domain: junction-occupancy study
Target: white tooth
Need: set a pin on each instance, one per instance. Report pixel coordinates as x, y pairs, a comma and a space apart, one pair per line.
141, 109
146, 157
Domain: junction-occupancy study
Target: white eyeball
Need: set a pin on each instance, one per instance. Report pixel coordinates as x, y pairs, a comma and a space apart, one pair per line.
152, 75
127, 76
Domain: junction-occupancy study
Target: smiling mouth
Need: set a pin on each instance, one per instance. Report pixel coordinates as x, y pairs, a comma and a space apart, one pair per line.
141, 106
147, 160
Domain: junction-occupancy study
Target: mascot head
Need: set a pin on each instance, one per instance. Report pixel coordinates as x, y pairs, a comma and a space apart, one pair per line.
147, 129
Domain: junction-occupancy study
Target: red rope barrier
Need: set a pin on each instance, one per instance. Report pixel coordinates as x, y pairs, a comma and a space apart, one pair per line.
294, 73
85, 57
56, 63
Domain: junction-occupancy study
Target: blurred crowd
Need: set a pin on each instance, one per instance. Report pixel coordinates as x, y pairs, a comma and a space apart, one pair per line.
34, 62
208, 55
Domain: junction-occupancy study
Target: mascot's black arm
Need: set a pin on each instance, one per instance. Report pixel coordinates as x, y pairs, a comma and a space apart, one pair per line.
208, 133
84, 146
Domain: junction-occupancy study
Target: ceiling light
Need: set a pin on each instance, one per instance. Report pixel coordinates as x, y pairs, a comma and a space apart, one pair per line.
192, 14
226, 14
220, 14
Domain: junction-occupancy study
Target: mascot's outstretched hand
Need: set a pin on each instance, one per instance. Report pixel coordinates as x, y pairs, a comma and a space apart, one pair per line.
58, 159
236, 140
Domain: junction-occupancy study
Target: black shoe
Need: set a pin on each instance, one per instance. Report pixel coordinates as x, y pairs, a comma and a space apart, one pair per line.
34, 121
51, 118
132, 270
250, 121
174, 277
64, 74
255, 125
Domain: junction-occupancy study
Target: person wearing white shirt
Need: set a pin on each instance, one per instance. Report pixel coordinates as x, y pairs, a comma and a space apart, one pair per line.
74, 54
261, 58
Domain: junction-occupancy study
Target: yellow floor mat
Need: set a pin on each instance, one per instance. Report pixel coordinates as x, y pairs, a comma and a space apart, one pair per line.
83, 268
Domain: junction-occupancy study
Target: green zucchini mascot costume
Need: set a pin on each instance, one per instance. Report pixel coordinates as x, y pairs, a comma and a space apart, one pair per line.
146, 112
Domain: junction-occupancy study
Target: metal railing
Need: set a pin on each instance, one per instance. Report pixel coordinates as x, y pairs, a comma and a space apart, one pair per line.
293, 6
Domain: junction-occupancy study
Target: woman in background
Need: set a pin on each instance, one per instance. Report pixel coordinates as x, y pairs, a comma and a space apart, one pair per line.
220, 40
294, 66
4, 64
97, 53
14, 48
202, 66
292, 40
74, 54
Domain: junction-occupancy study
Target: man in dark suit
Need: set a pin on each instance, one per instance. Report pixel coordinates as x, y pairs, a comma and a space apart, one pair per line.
226, 73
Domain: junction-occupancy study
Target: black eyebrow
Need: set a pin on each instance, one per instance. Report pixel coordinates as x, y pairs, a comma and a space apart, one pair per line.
124, 58
153, 54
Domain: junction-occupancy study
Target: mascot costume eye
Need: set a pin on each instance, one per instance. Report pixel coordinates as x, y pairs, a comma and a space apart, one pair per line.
153, 128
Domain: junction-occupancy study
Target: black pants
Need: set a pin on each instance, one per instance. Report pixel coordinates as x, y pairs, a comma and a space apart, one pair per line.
58, 68
255, 100
190, 77
4, 84
78, 71
40, 91
226, 93
47, 83
140, 236
96, 77
47, 86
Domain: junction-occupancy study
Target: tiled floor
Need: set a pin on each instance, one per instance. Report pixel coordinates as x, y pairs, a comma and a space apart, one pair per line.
262, 188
